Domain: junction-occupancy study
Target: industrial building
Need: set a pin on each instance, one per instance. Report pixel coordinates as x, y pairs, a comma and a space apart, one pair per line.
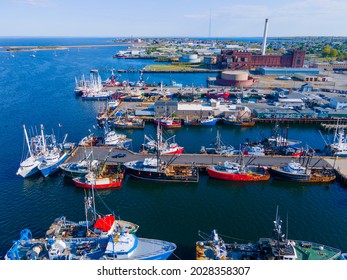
183, 110
332, 66
241, 60
287, 71
234, 59
339, 102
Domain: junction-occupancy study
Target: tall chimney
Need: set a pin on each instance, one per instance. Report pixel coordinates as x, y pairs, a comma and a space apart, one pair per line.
264, 38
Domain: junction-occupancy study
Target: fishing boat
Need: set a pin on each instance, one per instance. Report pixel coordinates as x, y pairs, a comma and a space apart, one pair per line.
218, 147
191, 122
104, 237
256, 150
29, 248
103, 94
90, 140
166, 147
276, 247
233, 171
109, 177
232, 120
339, 146
131, 247
128, 122
77, 169
209, 121
53, 154
155, 169
112, 138
296, 172
29, 166
279, 139
168, 122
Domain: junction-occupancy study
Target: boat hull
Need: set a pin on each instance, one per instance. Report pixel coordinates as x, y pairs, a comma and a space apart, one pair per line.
209, 123
81, 183
27, 170
162, 176
246, 177
47, 170
313, 177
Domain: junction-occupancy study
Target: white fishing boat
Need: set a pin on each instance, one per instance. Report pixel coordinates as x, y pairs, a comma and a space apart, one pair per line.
29, 166
166, 147
53, 156
112, 138
339, 145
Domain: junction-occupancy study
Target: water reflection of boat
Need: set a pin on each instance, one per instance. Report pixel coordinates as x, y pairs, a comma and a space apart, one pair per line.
277, 247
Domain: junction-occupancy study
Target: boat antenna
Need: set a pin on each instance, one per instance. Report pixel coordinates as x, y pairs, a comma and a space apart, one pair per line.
325, 142
93, 196
287, 228
86, 204
158, 151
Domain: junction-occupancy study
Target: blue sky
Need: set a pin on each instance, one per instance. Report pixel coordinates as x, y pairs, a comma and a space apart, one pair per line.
229, 18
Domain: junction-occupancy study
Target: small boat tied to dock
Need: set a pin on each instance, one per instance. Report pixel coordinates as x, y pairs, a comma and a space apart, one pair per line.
294, 171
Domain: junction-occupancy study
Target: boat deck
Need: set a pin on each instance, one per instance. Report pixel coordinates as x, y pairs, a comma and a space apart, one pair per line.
315, 251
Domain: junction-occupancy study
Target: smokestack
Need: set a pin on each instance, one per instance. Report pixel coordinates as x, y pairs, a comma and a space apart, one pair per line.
264, 38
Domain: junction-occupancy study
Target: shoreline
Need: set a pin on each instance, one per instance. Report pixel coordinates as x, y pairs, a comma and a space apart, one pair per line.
48, 48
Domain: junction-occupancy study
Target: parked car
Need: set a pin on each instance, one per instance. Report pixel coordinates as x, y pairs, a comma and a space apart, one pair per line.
120, 155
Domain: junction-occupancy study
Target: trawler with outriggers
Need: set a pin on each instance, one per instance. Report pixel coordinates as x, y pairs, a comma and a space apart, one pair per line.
156, 169
295, 171
277, 247
101, 176
102, 237
166, 147
238, 171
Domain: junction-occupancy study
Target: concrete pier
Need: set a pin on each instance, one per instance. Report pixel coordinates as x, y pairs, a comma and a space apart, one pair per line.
204, 160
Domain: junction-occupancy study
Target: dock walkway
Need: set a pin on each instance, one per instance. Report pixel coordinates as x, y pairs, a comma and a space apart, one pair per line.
202, 160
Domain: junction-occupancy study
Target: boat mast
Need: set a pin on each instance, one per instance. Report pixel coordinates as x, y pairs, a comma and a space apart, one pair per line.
158, 152
27, 140
43, 139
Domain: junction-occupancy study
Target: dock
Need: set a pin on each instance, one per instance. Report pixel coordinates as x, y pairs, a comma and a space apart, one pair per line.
333, 126
340, 167
204, 160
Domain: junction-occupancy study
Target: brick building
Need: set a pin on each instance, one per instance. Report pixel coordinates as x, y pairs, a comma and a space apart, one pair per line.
238, 60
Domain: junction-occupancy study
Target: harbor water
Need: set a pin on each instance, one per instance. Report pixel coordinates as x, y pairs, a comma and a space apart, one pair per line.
39, 90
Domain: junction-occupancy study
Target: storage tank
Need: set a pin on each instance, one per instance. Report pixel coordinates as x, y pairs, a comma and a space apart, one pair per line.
234, 75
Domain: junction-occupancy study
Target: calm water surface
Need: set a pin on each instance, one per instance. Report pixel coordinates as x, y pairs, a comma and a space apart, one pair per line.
40, 90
